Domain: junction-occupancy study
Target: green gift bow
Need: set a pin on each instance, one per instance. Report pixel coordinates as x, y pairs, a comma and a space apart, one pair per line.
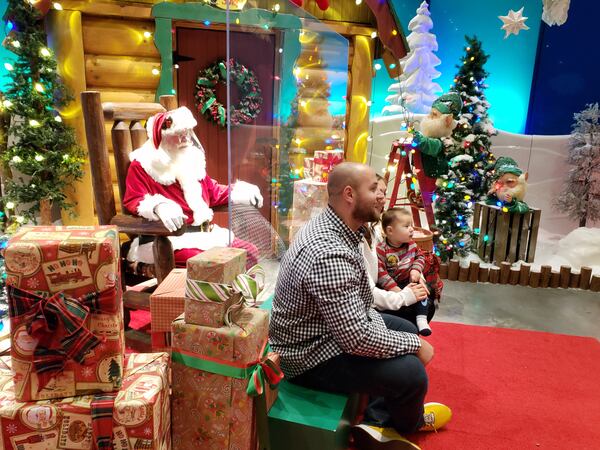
249, 285
257, 372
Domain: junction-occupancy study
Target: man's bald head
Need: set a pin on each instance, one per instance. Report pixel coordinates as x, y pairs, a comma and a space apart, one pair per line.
346, 174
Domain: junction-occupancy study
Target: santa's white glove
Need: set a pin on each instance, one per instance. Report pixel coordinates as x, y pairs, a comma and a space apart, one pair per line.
246, 194
170, 214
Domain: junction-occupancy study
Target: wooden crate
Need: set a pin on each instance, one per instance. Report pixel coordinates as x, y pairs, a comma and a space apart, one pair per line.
505, 236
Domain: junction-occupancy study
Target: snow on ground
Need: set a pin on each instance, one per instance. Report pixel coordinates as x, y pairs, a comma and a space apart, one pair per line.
581, 247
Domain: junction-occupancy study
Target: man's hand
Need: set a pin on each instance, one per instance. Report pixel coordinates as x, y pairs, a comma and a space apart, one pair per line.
425, 353
415, 276
171, 215
419, 291
246, 194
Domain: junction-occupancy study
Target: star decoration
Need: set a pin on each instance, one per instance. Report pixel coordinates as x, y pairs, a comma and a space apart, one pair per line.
513, 22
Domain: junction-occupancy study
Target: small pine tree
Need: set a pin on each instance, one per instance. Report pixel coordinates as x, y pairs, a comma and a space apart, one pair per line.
43, 148
414, 89
114, 373
580, 198
469, 152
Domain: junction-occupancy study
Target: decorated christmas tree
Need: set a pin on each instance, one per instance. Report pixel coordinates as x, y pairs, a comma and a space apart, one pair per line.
42, 152
468, 150
415, 89
580, 198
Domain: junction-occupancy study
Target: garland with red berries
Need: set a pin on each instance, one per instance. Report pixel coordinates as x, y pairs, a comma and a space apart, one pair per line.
250, 102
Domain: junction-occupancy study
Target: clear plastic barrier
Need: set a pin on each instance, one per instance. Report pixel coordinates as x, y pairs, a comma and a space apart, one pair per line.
287, 84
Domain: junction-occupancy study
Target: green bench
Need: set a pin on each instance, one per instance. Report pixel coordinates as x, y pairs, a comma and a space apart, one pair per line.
306, 419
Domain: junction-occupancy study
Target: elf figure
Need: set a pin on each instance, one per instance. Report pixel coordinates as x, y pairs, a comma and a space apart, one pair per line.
167, 181
431, 159
509, 184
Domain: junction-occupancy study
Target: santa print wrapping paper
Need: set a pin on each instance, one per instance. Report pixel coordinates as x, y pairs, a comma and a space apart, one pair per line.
66, 311
140, 417
211, 411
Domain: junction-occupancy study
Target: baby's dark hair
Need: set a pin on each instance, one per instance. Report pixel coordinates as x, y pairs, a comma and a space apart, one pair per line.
392, 215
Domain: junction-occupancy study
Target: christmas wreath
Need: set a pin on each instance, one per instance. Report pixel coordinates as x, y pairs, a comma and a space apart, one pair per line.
250, 99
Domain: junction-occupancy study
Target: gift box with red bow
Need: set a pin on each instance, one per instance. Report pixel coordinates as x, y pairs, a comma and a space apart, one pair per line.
137, 417
66, 311
217, 372
324, 161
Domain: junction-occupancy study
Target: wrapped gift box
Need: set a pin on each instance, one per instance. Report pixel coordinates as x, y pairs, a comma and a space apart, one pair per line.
210, 314
310, 199
166, 304
309, 167
217, 265
224, 418
65, 299
140, 415
324, 162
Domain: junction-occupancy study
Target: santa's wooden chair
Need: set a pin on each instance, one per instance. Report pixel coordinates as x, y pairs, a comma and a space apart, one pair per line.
127, 133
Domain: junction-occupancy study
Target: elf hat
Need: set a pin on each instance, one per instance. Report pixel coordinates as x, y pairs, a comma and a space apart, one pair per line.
449, 103
170, 122
504, 165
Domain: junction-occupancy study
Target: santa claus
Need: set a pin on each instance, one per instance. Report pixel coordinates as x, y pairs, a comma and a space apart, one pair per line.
167, 181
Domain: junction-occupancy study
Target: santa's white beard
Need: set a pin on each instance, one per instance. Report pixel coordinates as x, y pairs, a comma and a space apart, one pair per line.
186, 163
436, 128
188, 166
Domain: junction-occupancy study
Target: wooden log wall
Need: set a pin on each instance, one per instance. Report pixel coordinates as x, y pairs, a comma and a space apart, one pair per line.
564, 278
120, 56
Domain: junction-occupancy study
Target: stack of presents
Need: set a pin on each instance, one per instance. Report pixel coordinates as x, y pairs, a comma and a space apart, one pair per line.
310, 193
70, 384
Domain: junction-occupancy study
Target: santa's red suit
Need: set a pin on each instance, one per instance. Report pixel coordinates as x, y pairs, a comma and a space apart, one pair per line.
171, 168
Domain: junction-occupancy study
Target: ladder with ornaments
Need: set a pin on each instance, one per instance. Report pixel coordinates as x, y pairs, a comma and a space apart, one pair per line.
399, 161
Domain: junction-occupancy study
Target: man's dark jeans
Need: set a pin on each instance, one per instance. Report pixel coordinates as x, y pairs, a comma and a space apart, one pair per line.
396, 386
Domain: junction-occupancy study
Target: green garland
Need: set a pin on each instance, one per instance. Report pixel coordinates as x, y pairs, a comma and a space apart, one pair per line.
250, 102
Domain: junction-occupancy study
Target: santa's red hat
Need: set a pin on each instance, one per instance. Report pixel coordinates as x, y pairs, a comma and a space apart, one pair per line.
170, 122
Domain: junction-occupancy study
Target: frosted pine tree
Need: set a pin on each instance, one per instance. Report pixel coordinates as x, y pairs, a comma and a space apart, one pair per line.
414, 89
580, 198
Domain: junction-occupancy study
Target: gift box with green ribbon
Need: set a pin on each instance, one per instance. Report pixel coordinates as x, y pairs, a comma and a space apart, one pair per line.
216, 373
66, 311
217, 304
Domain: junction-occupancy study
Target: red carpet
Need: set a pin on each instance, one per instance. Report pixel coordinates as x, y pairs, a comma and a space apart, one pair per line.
513, 389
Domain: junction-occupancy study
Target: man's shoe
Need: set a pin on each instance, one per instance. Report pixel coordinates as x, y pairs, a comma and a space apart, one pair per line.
435, 416
369, 437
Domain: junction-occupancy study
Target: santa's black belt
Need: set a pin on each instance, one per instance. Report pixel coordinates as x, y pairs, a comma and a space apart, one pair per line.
206, 226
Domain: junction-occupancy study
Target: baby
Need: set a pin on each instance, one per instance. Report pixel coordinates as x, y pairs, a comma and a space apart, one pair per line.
401, 262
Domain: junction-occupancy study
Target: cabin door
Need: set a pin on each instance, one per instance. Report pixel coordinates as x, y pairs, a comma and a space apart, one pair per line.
252, 145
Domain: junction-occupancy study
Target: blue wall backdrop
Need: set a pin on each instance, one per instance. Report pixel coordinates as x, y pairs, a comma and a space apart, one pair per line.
4, 54
511, 60
567, 70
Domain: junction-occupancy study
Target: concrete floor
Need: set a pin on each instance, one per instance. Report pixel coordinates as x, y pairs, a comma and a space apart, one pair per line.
564, 311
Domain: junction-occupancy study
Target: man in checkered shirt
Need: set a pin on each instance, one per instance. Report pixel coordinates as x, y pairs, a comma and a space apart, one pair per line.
323, 323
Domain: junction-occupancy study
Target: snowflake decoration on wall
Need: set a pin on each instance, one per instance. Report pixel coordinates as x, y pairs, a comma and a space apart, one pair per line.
513, 22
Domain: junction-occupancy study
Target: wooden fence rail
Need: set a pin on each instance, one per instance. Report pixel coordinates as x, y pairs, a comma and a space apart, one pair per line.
564, 278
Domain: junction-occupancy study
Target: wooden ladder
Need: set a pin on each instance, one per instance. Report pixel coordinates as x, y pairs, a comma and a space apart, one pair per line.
399, 158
